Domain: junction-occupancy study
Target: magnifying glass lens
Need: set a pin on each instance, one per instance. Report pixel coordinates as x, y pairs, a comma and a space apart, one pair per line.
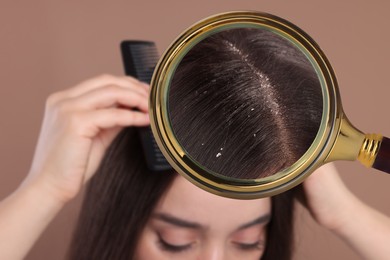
245, 103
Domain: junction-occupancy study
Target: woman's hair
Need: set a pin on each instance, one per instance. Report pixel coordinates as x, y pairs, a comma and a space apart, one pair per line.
245, 103
261, 96
118, 202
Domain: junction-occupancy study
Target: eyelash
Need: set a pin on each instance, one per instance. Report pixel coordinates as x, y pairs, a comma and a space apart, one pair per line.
255, 246
178, 249
173, 248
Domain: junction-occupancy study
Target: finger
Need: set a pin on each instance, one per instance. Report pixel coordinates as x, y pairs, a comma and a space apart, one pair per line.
110, 96
104, 80
92, 122
146, 86
100, 81
325, 174
97, 153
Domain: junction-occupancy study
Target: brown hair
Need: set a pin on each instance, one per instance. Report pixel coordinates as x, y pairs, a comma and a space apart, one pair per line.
247, 68
250, 97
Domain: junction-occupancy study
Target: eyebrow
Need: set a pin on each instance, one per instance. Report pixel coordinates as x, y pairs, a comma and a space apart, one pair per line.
193, 225
260, 220
177, 221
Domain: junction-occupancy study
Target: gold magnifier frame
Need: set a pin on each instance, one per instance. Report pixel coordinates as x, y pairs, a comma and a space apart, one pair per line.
337, 138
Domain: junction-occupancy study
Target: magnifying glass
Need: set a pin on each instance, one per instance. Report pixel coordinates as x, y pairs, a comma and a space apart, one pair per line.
246, 105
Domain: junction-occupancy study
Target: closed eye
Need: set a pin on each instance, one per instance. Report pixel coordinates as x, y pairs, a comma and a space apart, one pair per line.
173, 248
258, 245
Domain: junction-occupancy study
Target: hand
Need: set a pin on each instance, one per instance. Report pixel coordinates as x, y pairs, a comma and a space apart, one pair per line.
78, 126
333, 206
327, 198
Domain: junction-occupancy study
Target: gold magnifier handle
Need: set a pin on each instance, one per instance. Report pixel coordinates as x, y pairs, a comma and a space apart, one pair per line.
372, 150
375, 152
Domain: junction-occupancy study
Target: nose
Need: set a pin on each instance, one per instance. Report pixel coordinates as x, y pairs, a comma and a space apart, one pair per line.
214, 251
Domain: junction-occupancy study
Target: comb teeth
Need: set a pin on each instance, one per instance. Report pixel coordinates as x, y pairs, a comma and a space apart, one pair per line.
140, 59
145, 58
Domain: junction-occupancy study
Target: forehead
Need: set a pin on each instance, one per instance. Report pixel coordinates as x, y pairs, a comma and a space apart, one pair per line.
186, 201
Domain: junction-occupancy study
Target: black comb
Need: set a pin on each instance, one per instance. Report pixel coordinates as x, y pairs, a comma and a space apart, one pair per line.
139, 60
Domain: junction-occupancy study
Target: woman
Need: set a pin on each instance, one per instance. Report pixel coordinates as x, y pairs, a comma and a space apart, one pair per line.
132, 213
140, 212
57, 172
204, 97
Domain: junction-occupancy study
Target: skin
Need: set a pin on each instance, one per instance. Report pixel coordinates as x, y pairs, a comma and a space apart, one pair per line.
80, 123
335, 207
200, 225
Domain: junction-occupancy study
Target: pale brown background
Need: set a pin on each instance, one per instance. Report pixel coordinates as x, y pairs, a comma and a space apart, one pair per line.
50, 45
